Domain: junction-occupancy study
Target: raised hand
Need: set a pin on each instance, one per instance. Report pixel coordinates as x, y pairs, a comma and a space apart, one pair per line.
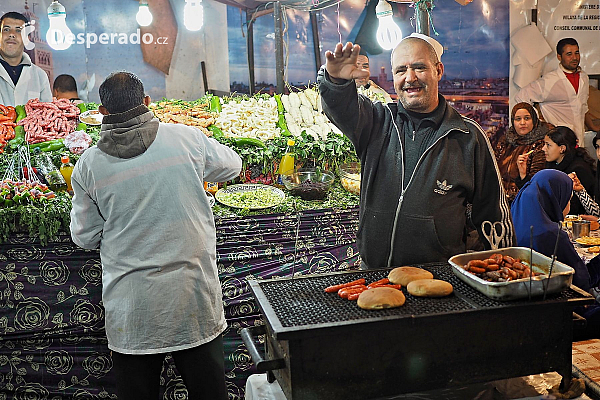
341, 63
522, 164
577, 186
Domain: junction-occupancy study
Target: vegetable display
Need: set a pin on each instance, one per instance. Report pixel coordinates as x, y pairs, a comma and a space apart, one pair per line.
198, 113
249, 118
259, 149
303, 114
13, 193
7, 125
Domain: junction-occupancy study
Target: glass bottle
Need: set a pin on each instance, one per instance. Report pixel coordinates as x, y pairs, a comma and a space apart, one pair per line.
51, 173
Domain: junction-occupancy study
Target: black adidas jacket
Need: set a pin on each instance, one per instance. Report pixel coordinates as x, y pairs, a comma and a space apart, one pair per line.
428, 221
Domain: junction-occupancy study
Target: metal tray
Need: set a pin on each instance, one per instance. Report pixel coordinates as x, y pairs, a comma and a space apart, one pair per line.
561, 279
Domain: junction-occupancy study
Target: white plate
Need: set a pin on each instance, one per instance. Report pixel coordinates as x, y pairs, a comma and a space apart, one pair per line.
277, 195
211, 198
91, 117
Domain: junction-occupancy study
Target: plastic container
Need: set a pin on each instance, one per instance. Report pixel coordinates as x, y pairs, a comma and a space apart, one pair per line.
66, 170
287, 164
350, 177
309, 184
211, 187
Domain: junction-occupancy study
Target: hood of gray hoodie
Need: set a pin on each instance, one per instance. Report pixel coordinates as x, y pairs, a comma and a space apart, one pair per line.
128, 134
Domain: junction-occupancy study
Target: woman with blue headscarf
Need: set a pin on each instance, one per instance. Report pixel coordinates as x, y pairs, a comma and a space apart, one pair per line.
542, 203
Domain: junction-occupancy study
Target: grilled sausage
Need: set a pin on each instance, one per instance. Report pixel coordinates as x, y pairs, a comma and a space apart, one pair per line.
476, 263
508, 259
335, 288
477, 270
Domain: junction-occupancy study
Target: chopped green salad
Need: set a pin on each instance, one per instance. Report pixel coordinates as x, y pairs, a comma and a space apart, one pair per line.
257, 198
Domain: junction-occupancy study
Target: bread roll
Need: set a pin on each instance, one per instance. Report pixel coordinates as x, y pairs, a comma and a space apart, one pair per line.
381, 297
429, 288
404, 275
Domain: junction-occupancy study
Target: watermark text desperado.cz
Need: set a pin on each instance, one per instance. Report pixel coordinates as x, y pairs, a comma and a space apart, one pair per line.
91, 38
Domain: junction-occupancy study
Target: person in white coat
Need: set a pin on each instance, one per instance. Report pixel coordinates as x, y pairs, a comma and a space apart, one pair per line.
139, 197
20, 79
563, 93
366, 86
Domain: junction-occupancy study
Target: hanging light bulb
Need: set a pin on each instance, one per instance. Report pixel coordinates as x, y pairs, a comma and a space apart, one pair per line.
388, 33
193, 15
143, 16
59, 36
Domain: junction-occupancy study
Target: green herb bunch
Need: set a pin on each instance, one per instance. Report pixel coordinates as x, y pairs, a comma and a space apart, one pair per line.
41, 220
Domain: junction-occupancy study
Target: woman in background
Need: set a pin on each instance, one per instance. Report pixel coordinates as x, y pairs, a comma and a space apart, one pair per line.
542, 203
520, 153
563, 154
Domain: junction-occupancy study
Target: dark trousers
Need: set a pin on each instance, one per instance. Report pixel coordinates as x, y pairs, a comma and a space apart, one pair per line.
202, 369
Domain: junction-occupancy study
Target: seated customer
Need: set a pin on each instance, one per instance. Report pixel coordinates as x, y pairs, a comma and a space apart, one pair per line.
520, 152
65, 87
543, 203
563, 154
592, 209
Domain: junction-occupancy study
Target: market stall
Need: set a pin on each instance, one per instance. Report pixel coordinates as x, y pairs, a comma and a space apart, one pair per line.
52, 327
53, 340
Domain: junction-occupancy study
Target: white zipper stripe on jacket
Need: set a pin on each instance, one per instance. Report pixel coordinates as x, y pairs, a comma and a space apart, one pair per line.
504, 208
403, 190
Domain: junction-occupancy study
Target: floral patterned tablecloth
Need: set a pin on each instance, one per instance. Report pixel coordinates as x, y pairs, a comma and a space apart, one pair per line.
52, 340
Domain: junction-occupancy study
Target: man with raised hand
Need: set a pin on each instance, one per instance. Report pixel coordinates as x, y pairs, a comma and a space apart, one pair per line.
428, 174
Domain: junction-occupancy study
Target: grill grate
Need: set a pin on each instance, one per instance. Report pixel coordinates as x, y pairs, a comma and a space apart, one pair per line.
303, 301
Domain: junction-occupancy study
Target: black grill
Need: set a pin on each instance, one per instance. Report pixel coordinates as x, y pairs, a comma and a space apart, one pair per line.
426, 344
302, 301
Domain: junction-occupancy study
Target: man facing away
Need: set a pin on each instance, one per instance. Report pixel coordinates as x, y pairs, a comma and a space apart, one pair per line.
426, 170
65, 87
139, 197
563, 93
20, 79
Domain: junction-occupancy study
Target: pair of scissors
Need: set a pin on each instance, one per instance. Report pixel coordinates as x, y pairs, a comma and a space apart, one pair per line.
496, 233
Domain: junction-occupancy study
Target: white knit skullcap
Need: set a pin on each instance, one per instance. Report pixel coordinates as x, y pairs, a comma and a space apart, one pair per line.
439, 49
